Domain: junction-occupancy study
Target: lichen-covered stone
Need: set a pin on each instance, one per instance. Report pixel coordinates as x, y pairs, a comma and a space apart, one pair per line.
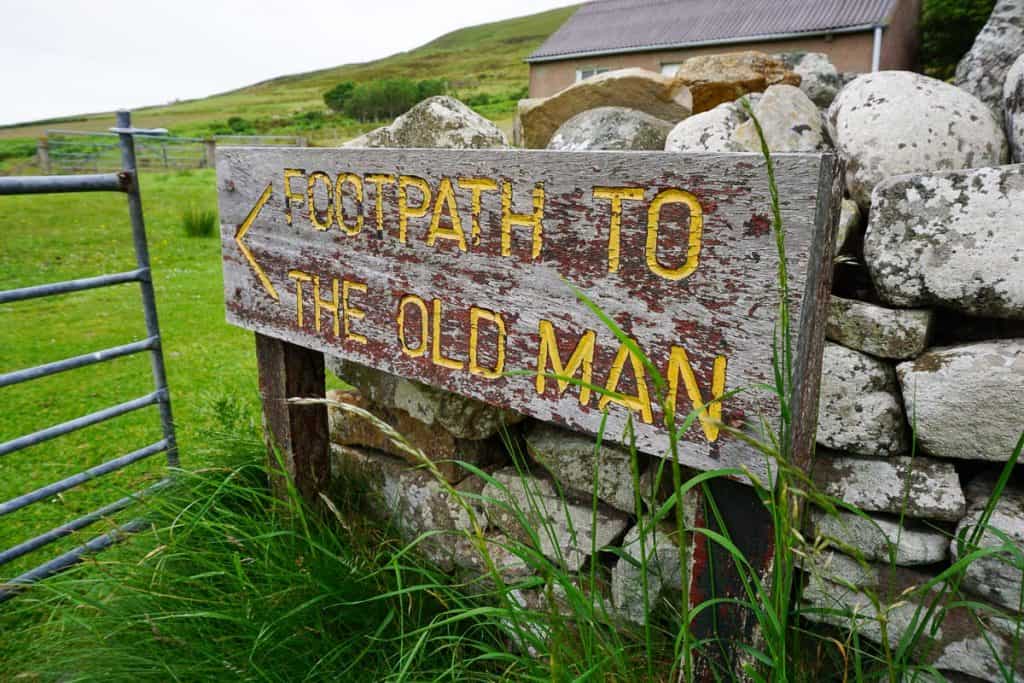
897, 333
952, 239
709, 131
850, 228
789, 120
441, 122
842, 593
967, 401
1013, 109
438, 445
564, 528
982, 70
659, 556
411, 499
660, 96
881, 538
463, 418
897, 122
611, 128
818, 76
717, 78
999, 577
859, 408
917, 487
468, 556
570, 456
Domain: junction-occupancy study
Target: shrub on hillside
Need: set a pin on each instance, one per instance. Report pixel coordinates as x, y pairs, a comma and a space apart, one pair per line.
386, 98
336, 97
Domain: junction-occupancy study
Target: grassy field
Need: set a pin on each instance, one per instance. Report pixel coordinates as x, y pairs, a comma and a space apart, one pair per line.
211, 367
479, 59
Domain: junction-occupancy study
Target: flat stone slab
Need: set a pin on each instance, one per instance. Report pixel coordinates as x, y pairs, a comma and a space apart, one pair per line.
882, 539
950, 239
920, 487
658, 555
564, 529
859, 408
967, 401
896, 333
570, 458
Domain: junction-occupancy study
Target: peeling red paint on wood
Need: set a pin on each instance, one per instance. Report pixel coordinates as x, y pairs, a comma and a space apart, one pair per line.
471, 272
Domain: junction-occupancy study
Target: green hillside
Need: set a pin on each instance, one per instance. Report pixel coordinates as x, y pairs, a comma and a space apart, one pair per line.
485, 59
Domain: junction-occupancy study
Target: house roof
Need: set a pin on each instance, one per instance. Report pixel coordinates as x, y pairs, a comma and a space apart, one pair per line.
615, 26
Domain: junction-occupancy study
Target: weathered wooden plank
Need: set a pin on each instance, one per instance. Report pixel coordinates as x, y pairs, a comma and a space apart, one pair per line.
444, 276
297, 433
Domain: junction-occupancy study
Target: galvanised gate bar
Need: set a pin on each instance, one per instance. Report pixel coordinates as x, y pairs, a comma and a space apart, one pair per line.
125, 181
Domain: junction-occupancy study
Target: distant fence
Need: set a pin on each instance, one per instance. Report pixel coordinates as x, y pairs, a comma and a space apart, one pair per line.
74, 151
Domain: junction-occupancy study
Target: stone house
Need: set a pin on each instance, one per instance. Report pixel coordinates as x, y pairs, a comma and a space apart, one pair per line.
857, 35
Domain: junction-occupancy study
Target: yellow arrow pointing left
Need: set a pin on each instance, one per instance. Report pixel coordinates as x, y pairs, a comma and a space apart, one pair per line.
244, 228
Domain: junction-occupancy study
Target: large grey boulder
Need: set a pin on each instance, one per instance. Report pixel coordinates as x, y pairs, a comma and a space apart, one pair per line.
789, 119
982, 70
818, 76
660, 96
967, 401
570, 458
952, 239
524, 506
441, 122
1013, 109
878, 538
611, 128
709, 131
916, 487
998, 577
897, 333
463, 418
859, 408
895, 122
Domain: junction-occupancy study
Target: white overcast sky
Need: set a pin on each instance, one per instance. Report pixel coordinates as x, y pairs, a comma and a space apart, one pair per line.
63, 57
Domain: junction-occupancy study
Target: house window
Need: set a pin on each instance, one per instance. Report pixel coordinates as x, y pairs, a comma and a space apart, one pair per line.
670, 69
587, 72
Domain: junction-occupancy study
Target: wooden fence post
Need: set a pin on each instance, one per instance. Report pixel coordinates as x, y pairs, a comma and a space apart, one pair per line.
43, 152
298, 433
210, 146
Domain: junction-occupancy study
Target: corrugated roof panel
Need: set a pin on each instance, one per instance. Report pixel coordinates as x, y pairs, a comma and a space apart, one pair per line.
605, 26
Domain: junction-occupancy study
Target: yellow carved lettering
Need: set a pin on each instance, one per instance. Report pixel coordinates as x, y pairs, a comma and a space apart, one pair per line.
696, 229
322, 304
509, 219
436, 354
446, 202
419, 303
351, 311
582, 359
290, 196
379, 181
405, 211
314, 213
339, 204
642, 401
709, 416
299, 278
475, 316
477, 186
616, 195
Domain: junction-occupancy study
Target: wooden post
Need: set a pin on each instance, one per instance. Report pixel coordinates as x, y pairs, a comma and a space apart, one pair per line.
211, 152
298, 433
43, 152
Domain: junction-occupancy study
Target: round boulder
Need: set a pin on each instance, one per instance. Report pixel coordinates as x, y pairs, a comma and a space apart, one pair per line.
437, 122
789, 119
895, 122
710, 131
1013, 108
611, 128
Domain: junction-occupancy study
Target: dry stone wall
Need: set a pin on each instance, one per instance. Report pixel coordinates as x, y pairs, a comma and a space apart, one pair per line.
922, 395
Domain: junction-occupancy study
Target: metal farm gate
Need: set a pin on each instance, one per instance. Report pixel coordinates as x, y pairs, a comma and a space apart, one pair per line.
125, 181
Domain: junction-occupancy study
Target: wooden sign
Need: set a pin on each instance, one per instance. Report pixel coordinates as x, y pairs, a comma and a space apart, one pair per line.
453, 268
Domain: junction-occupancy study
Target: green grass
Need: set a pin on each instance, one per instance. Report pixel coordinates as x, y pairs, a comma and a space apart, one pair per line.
478, 59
